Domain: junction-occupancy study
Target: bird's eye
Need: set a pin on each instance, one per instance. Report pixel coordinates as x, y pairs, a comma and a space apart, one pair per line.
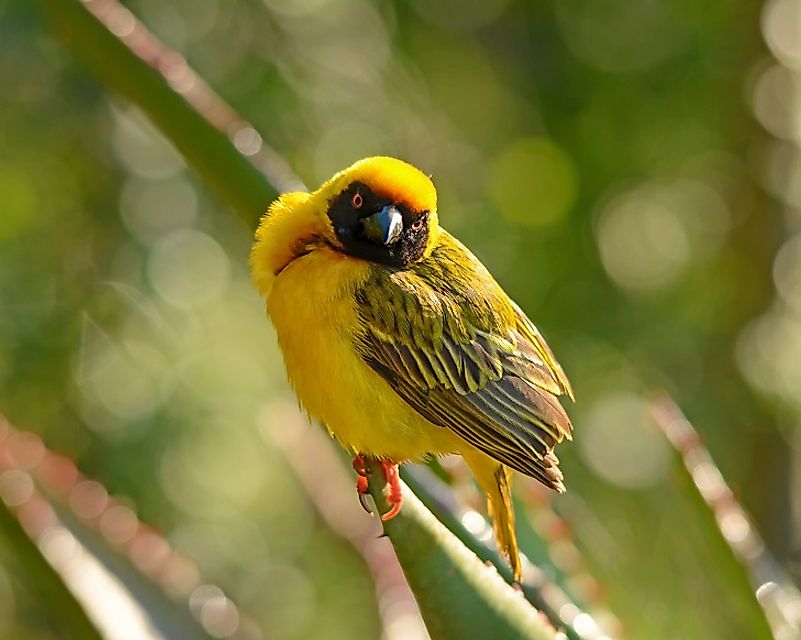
417, 224
357, 201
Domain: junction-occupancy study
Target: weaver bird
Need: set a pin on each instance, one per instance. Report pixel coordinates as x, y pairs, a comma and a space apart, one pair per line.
400, 341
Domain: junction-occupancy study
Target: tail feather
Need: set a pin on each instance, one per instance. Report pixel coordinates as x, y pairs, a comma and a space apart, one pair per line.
495, 481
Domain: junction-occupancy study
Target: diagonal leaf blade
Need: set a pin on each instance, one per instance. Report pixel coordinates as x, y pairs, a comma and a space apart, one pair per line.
143, 79
37, 575
459, 596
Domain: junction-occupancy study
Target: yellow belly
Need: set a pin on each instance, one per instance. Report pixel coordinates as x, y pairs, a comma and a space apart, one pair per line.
312, 308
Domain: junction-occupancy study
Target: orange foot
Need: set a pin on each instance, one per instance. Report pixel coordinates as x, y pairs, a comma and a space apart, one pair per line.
392, 490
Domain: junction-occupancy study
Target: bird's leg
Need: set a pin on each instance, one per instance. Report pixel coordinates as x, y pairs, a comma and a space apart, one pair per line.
392, 490
361, 482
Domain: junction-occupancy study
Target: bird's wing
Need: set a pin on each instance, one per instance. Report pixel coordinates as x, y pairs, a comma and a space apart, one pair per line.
450, 342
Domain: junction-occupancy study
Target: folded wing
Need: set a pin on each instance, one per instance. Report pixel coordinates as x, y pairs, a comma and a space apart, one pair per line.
465, 357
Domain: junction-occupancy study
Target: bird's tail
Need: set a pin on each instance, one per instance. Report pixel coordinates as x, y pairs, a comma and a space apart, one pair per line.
495, 481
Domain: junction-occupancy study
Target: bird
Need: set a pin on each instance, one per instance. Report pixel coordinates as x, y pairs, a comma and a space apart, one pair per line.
401, 343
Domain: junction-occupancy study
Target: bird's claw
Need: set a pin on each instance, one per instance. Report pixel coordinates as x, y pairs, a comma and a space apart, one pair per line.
395, 510
392, 490
362, 488
363, 491
365, 504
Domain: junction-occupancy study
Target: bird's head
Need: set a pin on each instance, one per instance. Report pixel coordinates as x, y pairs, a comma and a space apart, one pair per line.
379, 209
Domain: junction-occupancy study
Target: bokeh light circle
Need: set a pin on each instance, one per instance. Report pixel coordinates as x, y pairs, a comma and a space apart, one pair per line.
641, 240
781, 27
787, 272
533, 182
620, 36
619, 443
188, 268
151, 208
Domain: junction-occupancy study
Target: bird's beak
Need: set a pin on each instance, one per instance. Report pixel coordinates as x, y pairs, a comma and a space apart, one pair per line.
385, 226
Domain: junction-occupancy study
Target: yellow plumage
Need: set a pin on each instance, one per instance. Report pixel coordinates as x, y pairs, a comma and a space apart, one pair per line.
398, 339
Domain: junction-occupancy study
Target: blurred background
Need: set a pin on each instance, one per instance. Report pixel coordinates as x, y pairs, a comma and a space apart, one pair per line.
629, 172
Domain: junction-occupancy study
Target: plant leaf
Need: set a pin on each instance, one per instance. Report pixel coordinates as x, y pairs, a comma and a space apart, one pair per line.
20, 552
459, 596
196, 121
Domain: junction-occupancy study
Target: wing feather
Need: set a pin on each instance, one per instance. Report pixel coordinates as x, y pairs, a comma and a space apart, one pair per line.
467, 359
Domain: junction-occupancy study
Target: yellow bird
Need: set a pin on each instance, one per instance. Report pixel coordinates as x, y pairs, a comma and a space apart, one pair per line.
399, 340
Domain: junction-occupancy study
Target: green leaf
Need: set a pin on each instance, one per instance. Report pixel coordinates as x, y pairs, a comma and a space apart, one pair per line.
660, 556
31, 568
459, 596
171, 618
232, 175
741, 552
88, 586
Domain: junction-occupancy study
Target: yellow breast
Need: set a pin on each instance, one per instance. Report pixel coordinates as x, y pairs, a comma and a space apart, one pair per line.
312, 307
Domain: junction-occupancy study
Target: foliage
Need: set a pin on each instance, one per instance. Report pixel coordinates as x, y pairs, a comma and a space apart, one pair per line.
129, 340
